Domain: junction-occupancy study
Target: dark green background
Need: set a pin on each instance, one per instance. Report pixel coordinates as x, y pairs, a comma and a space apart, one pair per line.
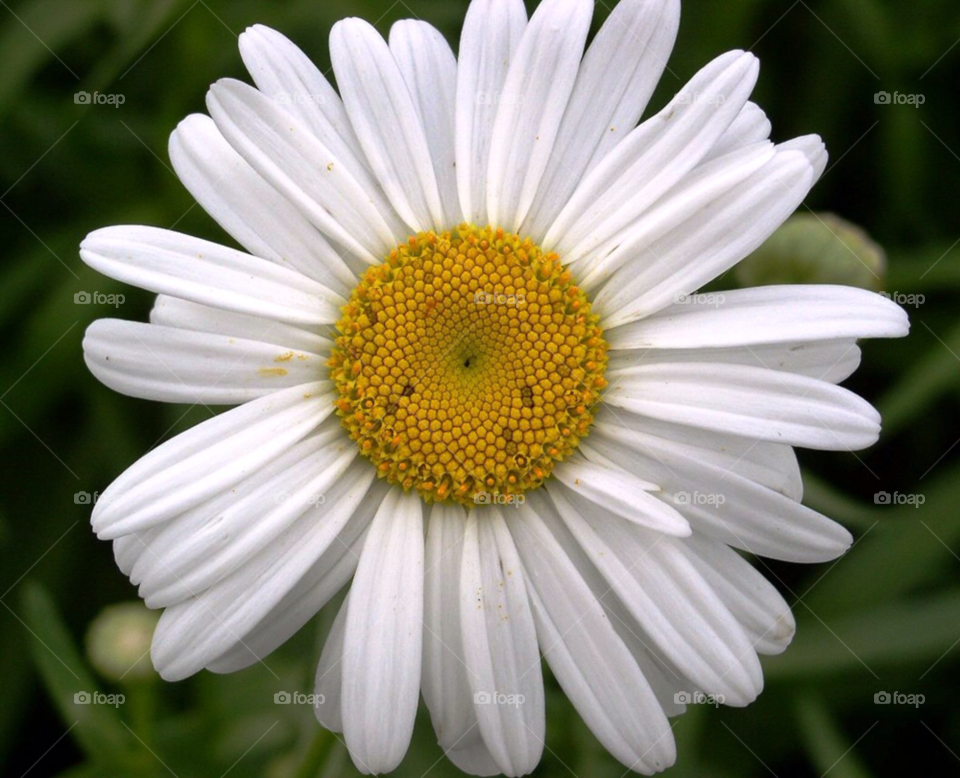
879, 619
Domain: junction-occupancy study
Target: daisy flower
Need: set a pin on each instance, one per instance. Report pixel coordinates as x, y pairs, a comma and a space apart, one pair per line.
475, 381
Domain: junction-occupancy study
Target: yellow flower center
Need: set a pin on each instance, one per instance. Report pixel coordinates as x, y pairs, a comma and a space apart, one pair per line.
467, 365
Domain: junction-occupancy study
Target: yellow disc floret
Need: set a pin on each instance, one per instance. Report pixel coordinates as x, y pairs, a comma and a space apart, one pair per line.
467, 365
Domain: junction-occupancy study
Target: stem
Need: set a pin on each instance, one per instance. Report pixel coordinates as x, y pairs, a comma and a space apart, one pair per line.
316, 755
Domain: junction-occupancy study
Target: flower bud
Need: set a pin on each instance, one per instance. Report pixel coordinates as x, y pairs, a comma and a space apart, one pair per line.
118, 642
815, 248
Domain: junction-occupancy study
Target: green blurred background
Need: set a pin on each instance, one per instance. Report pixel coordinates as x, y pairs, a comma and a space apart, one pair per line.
884, 618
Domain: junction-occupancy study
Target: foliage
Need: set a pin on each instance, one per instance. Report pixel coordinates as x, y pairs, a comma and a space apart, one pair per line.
885, 618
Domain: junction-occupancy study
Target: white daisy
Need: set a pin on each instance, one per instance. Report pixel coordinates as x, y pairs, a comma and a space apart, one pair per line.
473, 278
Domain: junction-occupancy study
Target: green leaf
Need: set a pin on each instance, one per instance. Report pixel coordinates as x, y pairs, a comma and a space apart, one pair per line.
140, 24
317, 755
23, 279
830, 501
829, 748
98, 729
935, 374
894, 634
926, 268
39, 29
909, 547
17, 685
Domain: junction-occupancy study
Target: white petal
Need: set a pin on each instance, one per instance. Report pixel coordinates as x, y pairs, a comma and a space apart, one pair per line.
828, 360
204, 546
126, 552
180, 366
290, 79
328, 682
751, 598
211, 457
588, 658
162, 542
386, 121
172, 263
770, 464
288, 76
261, 219
766, 314
331, 192
753, 402
500, 646
751, 126
654, 157
446, 690
429, 69
139, 548
619, 72
535, 94
813, 148
664, 679
472, 756
703, 185
675, 606
384, 637
195, 633
330, 572
621, 493
725, 500
709, 242
491, 33
173, 312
